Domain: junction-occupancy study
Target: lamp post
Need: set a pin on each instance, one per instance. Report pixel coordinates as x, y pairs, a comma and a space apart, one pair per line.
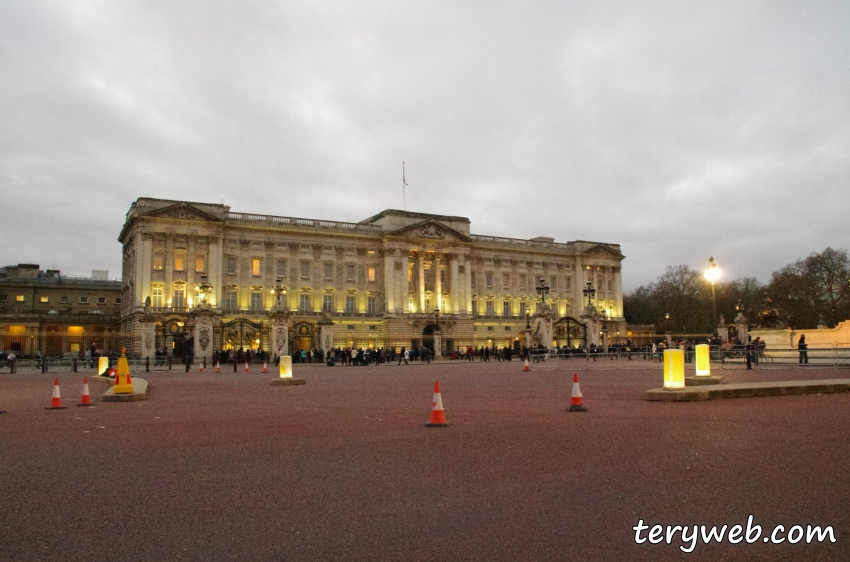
527, 319
712, 274
667, 329
589, 292
438, 343
542, 290
203, 290
279, 291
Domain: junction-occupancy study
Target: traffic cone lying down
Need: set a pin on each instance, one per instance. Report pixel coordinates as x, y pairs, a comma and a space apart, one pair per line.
575, 400
438, 415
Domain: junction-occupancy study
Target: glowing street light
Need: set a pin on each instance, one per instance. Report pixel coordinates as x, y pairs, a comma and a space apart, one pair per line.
712, 274
279, 291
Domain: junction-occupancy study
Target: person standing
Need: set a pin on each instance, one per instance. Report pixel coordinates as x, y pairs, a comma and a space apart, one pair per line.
802, 348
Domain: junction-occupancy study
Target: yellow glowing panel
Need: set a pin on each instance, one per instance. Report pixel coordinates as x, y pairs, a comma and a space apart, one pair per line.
703, 361
75, 330
102, 365
286, 367
674, 368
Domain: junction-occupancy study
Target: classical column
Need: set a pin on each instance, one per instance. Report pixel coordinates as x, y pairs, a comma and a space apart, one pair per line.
438, 284
618, 290
454, 297
389, 280
189, 267
421, 264
144, 265
468, 288
169, 268
404, 292
214, 272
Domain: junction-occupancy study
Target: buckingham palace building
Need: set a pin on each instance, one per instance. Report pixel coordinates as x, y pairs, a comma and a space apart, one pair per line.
199, 278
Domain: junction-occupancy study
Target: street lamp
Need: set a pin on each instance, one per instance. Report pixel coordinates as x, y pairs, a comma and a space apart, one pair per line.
437, 318
279, 291
712, 274
542, 290
589, 292
527, 319
203, 291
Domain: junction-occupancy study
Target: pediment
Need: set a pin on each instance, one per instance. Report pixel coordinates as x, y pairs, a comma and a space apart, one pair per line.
431, 230
604, 250
182, 211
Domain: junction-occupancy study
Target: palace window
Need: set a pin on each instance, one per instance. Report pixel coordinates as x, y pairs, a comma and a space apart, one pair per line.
569, 283
443, 277
328, 304
256, 267
158, 260
489, 311
156, 297
488, 280
101, 300
522, 310
349, 272
428, 306
230, 300
371, 305
177, 300
117, 300
200, 264
610, 285
506, 308
231, 265
256, 301
305, 270
506, 281
522, 281
83, 300
472, 278
371, 274
329, 271
179, 261
553, 283
474, 306
304, 304
43, 300
280, 268
349, 304
63, 300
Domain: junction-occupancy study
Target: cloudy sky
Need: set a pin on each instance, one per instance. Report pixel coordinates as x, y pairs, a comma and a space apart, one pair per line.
680, 130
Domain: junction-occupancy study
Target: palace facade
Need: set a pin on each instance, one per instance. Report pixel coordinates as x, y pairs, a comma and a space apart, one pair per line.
394, 279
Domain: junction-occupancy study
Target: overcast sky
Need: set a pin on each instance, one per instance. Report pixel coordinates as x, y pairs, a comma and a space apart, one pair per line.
680, 130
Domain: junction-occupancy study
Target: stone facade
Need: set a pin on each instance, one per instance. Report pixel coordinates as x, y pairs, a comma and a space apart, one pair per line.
374, 283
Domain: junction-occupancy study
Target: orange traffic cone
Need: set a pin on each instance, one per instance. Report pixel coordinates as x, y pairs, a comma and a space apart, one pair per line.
246, 367
526, 365
201, 367
56, 402
575, 401
438, 415
265, 367
217, 366
86, 399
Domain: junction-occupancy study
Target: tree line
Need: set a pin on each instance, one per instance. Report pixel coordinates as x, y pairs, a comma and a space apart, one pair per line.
811, 290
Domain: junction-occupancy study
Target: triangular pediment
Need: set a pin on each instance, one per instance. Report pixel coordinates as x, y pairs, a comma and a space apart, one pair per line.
182, 211
430, 230
604, 250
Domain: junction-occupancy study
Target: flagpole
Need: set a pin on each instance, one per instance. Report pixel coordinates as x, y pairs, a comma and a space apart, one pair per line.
403, 192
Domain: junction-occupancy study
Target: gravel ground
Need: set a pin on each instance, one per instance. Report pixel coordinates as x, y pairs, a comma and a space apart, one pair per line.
227, 467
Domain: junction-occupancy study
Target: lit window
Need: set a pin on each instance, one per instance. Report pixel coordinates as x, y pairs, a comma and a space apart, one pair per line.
43, 299
19, 298
280, 268
371, 274
231, 266
158, 260
349, 304
329, 271
305, 270
200, 264
409, 274
428, 306
179, 260
256, 266
304, 306
156, 297
371, 305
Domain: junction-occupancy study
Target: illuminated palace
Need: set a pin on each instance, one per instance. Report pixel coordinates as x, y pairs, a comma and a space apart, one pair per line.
393, 279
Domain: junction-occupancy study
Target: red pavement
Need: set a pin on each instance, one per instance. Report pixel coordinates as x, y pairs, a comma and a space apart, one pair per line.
227, 467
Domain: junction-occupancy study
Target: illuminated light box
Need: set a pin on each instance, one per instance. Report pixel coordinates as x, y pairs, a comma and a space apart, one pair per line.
102, 365
703, 361
674, 368
286, 367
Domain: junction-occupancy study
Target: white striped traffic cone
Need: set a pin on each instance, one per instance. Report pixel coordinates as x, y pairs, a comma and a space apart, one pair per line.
56, 401
575, 400
86, 398
246, 367
526, 365
438, 415
265, 367
218, 366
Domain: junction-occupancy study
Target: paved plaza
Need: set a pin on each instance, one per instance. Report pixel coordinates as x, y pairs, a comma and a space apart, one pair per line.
228, 467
